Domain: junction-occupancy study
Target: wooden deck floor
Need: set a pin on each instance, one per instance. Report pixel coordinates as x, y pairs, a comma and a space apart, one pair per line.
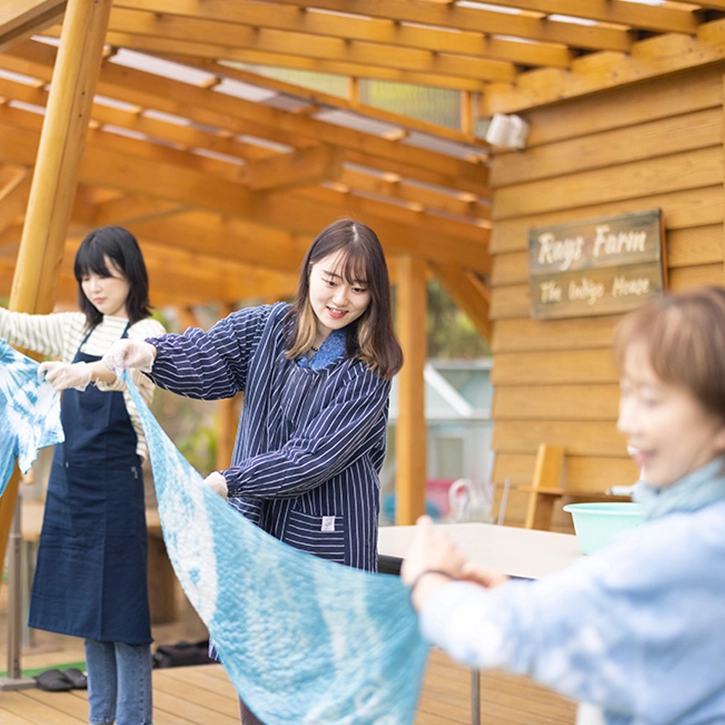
204, 696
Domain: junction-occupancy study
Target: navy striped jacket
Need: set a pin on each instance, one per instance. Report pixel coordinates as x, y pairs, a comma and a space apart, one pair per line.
310, 443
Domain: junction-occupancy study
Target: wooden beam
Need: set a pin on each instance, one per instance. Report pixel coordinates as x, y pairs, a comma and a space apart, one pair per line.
469, 293
393, 186
56, 173
19, 19
648, 59
223, 111
287, 171
525, 25
219, 39
410, 434
406, 231
238, 72
361, 29
14, 198
133, 209
342, 66
217, 237
654, 19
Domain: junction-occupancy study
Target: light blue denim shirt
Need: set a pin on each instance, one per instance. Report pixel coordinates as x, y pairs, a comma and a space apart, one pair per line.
637, 629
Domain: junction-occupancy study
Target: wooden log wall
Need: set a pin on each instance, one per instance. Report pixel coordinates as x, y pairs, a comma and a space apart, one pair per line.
653, 145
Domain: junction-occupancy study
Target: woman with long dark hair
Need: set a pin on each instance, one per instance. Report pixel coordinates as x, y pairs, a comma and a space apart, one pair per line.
90, 578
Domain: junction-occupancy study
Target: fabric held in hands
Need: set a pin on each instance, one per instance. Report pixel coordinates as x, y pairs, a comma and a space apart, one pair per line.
29, 410
302, 639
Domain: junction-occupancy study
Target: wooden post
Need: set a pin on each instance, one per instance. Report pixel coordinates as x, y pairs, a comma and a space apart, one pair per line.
62, 141
410, 446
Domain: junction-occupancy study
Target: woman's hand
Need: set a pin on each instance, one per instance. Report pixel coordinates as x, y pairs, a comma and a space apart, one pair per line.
432, 561
217, 483
62, 375
125, 354
482, 575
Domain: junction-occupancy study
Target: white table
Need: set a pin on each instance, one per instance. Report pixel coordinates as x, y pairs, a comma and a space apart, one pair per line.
517, 552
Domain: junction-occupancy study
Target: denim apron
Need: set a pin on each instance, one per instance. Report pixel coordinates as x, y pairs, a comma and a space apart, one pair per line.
90, 578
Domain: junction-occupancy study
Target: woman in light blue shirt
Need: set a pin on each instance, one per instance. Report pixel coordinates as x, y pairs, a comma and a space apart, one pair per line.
636, 630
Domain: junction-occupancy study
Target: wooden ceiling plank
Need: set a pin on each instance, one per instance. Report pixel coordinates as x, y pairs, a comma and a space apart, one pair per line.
301, 62
211, 234
650, 58
476, 183
324, 99
14, 198
366, 181
469, 233
115, 168
371, 58
413, 235
185, 136
186, 100
290, 170
133, 210
704, 4
367, 29
484, 21
161, 179
655, 19
198, 32
36, 60
19, 19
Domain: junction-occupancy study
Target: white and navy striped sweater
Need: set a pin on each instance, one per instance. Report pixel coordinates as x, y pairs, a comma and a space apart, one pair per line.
310, 443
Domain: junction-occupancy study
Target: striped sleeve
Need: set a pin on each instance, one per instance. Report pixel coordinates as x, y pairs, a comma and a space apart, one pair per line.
326, 444
53, 335
209, 365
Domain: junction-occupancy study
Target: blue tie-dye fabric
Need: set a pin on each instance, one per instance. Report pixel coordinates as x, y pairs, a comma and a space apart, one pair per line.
302, 639
29, 410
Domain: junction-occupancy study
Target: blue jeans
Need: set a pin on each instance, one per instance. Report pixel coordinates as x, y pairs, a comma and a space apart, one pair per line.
119, 683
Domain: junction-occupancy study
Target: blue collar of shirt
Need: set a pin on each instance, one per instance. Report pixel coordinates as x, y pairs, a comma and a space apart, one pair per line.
694, 491
331, 349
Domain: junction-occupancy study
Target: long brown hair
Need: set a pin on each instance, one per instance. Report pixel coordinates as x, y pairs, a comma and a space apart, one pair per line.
371, 338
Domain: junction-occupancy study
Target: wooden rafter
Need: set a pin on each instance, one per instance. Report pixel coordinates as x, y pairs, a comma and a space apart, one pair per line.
381, 31
469, 293
19, 19
213, 39
208, 107
14, 198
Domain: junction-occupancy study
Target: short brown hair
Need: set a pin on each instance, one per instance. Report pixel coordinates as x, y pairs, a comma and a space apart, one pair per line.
685, 338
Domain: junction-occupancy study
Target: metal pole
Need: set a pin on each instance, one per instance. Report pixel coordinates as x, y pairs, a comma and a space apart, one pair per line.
15, 679
475, 696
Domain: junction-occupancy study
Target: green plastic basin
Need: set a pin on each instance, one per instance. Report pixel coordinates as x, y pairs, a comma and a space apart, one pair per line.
596, 524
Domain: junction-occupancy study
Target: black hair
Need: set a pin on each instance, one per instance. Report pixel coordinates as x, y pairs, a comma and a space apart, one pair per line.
120, 247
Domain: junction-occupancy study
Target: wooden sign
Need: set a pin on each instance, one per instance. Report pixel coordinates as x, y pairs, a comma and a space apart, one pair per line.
596, 267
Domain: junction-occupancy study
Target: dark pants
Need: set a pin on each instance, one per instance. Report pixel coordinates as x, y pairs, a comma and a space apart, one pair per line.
248, 717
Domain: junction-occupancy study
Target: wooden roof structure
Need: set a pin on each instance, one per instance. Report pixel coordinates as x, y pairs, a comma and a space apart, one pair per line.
225, 174
165, 116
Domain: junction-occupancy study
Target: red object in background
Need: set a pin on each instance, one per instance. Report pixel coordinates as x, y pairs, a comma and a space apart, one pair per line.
436, 492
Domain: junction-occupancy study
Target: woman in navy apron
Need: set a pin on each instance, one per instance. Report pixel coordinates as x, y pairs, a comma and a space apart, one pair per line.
91, 574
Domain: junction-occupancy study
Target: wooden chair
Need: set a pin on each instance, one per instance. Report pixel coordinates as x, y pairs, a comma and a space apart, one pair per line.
546, 487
